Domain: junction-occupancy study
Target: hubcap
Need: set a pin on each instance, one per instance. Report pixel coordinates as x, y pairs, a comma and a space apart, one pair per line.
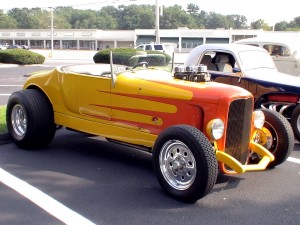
19, 120
177, 164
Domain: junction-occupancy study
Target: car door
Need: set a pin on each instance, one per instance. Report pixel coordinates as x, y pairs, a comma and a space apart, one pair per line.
94, 97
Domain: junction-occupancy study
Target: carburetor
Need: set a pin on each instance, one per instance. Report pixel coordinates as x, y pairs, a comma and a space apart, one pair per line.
192, 73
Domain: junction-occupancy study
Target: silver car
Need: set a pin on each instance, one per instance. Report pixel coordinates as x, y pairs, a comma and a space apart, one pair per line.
285, 52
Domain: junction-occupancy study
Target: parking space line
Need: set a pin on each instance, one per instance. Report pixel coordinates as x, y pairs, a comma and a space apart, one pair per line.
294, 160
11, 85
44, 201
5, 94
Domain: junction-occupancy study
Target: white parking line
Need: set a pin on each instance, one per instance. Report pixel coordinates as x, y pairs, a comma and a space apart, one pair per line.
5, 94
44, 201
11, 85
294, 160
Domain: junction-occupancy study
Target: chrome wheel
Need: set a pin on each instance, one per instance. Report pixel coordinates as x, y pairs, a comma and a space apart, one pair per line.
298, 123
19, 120
177, 164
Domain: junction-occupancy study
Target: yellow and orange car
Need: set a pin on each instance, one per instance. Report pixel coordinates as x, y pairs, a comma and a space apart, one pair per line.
194, 127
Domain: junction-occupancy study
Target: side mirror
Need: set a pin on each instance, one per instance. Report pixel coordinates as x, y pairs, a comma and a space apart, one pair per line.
236, 70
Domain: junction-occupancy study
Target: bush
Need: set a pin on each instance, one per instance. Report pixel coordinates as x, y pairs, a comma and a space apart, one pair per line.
168, 58
21, 57
127, 56
151, 59
120, 55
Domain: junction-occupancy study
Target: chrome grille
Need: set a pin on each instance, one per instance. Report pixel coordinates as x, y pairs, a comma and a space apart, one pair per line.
238, 129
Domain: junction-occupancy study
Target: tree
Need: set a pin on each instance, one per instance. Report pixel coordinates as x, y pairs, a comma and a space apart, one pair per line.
7, 22
260, 24
192, 9
23, 18
237, 21
215, 20
174, 17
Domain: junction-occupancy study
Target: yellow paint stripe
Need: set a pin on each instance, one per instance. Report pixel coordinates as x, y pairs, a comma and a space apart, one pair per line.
141, 104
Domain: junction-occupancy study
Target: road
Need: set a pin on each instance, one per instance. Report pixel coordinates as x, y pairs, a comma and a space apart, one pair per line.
111, 184
85, 179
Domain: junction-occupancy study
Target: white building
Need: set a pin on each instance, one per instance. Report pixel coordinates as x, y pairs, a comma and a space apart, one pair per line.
182, 39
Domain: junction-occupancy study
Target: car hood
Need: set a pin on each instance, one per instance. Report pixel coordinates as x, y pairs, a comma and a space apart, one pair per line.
270, 77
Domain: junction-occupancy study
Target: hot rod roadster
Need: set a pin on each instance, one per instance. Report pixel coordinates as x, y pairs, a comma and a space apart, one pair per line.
193, 127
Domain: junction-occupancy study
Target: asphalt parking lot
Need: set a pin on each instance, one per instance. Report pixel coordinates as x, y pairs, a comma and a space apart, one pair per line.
82, 179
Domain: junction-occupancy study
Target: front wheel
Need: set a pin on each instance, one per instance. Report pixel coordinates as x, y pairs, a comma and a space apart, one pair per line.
279, 137
29, 118
185, 163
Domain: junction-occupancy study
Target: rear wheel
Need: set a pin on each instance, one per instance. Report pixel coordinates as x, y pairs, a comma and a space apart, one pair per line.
30, 119
279, 138
185, 163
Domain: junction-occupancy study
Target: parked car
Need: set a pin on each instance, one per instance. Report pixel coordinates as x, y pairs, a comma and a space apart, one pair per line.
14, 47
252, 68
192, 128
166, 48
285, 52
2, 47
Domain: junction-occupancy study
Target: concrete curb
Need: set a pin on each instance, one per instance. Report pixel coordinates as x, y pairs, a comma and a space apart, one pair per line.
5, 138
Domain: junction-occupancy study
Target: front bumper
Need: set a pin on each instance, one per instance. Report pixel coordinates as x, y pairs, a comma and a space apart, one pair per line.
266, 158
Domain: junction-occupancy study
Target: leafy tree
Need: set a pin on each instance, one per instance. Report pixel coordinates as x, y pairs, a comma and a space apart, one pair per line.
192, 9
237, 21
281, 26
7, 22
260, 24
216, 20
174, 17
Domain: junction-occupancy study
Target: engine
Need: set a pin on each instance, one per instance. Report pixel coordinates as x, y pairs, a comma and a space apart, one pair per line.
192, 73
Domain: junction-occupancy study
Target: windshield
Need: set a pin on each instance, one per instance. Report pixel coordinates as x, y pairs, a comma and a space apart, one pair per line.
252, 60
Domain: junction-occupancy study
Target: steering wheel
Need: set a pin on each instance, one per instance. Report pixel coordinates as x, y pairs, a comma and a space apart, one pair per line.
143, 64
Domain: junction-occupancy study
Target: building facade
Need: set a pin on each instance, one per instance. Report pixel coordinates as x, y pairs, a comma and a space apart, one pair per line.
182, 39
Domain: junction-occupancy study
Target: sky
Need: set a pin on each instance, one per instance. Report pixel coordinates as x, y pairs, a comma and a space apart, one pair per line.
270, 11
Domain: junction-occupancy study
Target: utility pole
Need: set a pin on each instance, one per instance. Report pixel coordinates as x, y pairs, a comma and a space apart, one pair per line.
52, 31
157, 22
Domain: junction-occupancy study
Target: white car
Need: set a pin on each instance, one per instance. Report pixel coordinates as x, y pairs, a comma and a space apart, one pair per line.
285, 52
166, 48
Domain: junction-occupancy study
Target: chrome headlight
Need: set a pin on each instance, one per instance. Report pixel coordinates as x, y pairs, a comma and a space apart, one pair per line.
259, 119
215, 129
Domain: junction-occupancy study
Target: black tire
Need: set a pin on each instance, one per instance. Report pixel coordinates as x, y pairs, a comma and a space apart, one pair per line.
282, 136
295, 122
30, 119
186, 147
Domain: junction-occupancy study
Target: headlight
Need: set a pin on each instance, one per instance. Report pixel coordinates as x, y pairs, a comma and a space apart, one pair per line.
259, 119
215, 129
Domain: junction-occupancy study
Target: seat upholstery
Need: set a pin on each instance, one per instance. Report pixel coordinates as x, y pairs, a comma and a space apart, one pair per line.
207, 60
223, 64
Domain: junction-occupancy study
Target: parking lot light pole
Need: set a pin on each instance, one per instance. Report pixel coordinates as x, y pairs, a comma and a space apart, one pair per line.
52, 31
157, 22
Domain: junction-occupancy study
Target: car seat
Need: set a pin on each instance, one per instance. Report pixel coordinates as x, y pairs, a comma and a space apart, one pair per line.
207, 60
223, 64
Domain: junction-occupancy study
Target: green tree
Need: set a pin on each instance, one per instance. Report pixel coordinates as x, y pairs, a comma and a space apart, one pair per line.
192, 9
282, 26
24, 18
260, 24
174, 17
237, 21
215, 20
7, 22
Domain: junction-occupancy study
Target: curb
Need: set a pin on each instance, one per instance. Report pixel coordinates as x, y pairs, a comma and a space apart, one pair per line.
5, 138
